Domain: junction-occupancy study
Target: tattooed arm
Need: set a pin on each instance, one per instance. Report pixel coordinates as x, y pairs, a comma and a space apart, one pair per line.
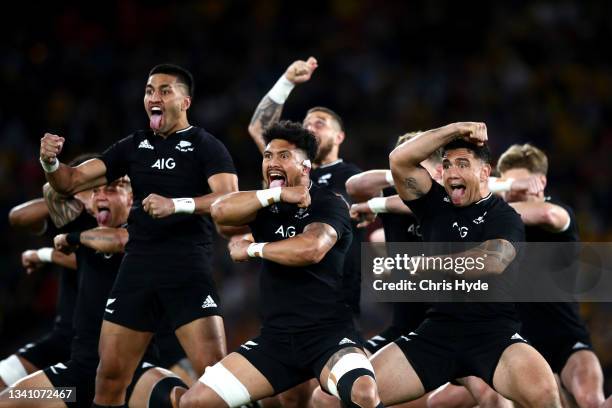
492, 257
270, 107
62, 209
411, 179
102, 239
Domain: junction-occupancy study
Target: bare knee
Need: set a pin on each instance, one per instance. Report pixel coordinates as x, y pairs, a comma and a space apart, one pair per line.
441, 399
321, 399
543, 394
586, 399
201, 396
363, 392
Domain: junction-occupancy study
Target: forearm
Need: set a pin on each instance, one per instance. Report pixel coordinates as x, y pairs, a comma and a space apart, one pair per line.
62, 179
267, 113
412, 152
295, 251
368, 184
104, 239
395, 205
492, 257
30, 216
235, 209
64, 260
549, 216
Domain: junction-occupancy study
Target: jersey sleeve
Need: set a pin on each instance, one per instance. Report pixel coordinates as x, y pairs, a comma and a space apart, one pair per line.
214, 157
429, 204
116, 158
333, 210
506, 225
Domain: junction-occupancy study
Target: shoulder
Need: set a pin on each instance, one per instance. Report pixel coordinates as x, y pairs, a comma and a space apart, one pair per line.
202, 136
349, 168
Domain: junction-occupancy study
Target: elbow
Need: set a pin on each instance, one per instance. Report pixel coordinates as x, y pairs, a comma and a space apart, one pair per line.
219, 213
311, 254
16, 219
254, 130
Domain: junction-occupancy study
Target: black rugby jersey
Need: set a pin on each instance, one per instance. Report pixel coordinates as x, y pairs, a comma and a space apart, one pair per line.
489, 218
333, 176
295, 299
552, 320
174, 167
68, 280
97, 272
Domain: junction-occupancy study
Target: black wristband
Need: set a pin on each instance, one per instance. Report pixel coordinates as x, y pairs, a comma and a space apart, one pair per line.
73, 238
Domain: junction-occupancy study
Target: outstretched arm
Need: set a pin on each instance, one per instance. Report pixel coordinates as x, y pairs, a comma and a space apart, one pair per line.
411, 179
270, 107
306, 248
32, 259
550, 216
30, 216
363, 186
102, 239
65, 179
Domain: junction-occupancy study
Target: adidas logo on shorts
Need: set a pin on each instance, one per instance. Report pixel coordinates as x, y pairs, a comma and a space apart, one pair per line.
249, 343
208, 302
346, 341
580, 345
516, 336
145, 145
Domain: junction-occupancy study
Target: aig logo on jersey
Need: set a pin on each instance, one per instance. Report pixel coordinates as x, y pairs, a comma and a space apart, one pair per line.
164, 164
184, 146
287, 232
463, 231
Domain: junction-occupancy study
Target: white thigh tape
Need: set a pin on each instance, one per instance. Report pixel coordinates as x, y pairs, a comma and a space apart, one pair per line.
11, 370
226, 385
347, 363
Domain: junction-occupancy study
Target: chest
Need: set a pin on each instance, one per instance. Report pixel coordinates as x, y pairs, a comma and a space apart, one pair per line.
456, 225
274, 225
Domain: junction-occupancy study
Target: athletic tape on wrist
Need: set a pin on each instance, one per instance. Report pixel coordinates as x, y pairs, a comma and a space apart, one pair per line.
45, 254
378, 205
389, 177
497, 186
281, 90
49, 167
184, 205
255, 250
269, 196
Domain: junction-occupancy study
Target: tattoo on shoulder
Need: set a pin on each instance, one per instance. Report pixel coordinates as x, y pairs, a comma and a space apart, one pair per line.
410, 184
267, 112
62, 209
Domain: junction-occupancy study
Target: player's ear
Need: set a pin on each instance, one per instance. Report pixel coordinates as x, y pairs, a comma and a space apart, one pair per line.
340, 137
186, 103
306, 167
543, 180
485, 172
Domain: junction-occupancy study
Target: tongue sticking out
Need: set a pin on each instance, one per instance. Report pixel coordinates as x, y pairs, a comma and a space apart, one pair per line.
155, 121
103, 217
457, 195
277, 183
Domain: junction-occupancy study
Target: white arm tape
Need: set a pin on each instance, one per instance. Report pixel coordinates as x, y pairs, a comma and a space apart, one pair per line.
226, 385
11, 370
184, 205
269, 196
378, 204
389, 177
347, 363
49, 168
45, 254
255, 250
497, 186
281, 90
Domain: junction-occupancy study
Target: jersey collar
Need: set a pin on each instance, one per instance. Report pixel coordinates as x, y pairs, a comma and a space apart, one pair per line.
330, 164
482, 200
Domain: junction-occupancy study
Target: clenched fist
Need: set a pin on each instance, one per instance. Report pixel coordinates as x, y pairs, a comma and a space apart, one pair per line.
157, 206
362, 213
473, 132
238, 249
50, 147
296, 195
30, 261
61, 244
301, 71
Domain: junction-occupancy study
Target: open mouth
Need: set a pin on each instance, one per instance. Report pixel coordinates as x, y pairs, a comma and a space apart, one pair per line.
156, 118
457, 192
277, 179
103, 216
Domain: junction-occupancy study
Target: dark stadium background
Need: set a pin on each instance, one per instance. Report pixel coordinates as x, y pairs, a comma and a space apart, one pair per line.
533, 71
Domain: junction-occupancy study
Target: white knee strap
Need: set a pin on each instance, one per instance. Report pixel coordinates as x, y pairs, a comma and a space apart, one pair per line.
11, 370
226, 385
347, 363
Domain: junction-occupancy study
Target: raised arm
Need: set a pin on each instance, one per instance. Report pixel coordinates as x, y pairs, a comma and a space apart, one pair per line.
30, 216
411, 179
32, 259
306, 248
65, 179
549, 216
240, 208
492, 257
363, 186
271, 106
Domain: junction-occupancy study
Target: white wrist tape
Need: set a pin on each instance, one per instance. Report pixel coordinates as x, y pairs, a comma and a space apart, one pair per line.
281, 90
389, 177
183, 205
44, 254
49, 168
497, 186
255, 250
378, 204
269, 196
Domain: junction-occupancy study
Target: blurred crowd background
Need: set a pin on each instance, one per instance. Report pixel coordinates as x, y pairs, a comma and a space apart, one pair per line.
536, 71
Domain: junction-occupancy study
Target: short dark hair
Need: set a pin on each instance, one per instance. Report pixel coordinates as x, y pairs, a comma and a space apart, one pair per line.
293, 133
480, 152
182, 75
330, 112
